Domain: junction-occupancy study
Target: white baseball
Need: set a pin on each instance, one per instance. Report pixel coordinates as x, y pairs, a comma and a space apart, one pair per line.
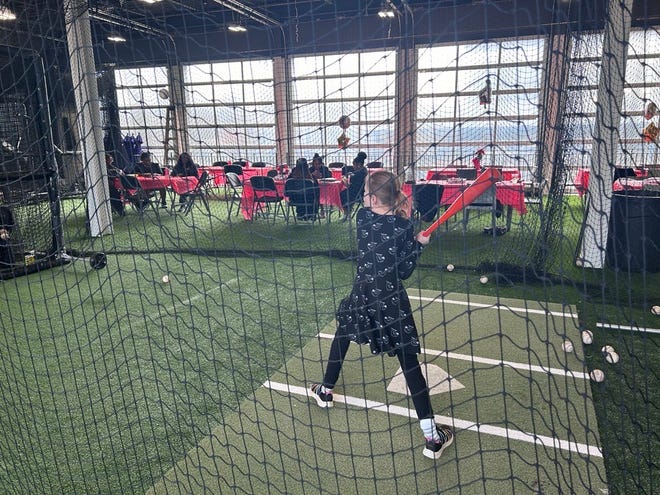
587, 337
607, 349
612, 357
655, 310
483, 279
597, 375
450, 267
166, 279
567, 346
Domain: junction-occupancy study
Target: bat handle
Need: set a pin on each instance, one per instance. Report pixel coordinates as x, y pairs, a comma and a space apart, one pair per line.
429, 230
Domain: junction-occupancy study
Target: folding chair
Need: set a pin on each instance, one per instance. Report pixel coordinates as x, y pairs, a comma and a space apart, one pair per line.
486, 202
303, 195
235, 191
259, 164
426, 201
375, 165
336, 165
620, 172
133, 192
199, 193
235, 169
272, 173
534, 194
265, 195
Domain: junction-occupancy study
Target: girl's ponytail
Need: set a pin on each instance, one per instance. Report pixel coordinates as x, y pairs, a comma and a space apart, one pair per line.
402, 205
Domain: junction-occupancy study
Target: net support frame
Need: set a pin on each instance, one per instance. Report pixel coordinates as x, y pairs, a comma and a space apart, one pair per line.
83, 75
606, 132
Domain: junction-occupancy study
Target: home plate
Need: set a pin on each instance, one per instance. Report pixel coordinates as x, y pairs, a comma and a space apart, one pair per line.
437, 379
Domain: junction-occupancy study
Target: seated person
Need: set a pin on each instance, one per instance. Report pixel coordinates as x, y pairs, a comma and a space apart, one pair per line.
318, 170
116, 202
185, 167
354, 184
7, 226
146, 166
310, 210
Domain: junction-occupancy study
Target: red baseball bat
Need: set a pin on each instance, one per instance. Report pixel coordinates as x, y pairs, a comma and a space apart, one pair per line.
485, 180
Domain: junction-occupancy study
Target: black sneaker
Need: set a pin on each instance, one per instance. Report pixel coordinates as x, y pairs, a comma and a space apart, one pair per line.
434, 450
324, 400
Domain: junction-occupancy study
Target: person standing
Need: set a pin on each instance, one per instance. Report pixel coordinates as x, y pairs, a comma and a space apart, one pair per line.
377, 311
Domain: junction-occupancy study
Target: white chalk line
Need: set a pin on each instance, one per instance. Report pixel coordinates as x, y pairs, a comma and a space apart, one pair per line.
494, 362
500, 307
546, 441
628, 328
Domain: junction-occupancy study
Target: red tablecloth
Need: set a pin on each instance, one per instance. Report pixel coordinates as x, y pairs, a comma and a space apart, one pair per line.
581, 181
449, 172
509, 193
329, 195
180, 185
336, 173
218, 173
634, 184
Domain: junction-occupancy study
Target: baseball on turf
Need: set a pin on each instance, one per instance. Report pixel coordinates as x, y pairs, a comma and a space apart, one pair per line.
483, 279
567, 346
612, 357
606, 349
655, 310
166, 279
587, 337
597, 375
450, 267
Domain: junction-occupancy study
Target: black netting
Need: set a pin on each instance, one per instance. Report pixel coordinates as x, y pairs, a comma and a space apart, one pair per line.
163, 321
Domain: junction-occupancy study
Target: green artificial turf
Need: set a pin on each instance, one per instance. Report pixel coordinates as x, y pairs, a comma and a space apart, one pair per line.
351, 449
110, 377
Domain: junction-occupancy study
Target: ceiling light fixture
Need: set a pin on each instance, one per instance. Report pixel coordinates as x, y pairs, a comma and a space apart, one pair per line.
6, 14
385, 13
237, 28
117, 38
150, 2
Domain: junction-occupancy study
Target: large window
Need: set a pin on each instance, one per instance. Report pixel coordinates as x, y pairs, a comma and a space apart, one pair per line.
230, 111
641, 85
142, 111
452, 123
358, 85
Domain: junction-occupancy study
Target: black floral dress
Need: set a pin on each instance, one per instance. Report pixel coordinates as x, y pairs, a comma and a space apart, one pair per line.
378, 311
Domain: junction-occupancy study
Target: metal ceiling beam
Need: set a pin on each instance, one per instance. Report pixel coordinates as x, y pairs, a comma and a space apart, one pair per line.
249, 12
124, 22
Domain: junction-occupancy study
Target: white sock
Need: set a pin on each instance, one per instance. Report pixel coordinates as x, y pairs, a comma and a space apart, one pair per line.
428, 427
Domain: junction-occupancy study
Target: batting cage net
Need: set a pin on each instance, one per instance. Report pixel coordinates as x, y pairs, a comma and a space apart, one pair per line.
207, 206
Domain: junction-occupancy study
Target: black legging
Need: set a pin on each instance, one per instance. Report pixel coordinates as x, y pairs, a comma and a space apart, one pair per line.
409, 364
